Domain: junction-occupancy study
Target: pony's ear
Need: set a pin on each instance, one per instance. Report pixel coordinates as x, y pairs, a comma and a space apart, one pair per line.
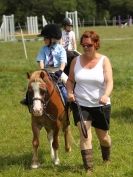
28, 75
42, 75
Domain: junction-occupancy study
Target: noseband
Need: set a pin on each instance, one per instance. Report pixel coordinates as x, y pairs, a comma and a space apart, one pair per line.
42, 101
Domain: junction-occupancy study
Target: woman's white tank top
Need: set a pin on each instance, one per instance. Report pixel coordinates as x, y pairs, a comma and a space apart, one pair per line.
90, 83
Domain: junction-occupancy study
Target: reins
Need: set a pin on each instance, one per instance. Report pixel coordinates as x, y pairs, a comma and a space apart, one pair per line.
83, 126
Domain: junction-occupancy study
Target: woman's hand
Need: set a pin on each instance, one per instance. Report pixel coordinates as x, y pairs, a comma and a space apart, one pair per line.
103, 99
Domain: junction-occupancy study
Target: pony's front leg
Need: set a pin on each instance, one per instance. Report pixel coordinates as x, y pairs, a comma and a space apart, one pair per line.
55, 146
35, 144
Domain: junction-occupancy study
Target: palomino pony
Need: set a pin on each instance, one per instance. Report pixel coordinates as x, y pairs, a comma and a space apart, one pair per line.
48, 111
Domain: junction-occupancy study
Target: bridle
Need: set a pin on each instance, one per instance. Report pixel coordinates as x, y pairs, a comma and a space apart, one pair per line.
44, 103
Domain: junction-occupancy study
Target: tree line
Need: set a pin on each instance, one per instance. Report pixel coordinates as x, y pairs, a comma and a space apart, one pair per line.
54, 10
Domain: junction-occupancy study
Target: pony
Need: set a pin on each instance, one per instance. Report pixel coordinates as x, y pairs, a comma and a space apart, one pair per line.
48, 111
70, 56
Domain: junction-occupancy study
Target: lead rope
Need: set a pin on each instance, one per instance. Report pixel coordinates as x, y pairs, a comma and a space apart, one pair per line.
83, 126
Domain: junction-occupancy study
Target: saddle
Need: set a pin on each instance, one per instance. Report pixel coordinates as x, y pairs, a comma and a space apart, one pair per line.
61, 88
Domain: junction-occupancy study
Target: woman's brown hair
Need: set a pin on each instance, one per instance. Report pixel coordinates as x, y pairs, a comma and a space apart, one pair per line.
93, 36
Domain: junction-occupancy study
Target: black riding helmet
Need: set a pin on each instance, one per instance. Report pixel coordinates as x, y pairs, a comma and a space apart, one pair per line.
67, 22
51, 31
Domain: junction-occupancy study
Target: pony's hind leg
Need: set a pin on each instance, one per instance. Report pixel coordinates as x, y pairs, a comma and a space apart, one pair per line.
67, 138
66, 130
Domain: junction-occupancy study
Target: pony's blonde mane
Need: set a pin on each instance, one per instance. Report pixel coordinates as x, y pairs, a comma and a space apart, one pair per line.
36, 77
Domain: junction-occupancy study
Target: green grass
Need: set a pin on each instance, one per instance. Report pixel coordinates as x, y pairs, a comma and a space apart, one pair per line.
15, 123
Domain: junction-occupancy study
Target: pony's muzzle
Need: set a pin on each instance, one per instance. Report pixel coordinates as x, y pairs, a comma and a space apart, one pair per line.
37, 113
37, 108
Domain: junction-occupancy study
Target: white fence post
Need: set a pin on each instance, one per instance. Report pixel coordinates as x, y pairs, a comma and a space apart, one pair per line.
32, 25
44, 22
7, 29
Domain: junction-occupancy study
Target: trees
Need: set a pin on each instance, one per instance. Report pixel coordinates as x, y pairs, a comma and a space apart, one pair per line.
2, 6
102, 8
123, 8
55, 9
86, 9
60, 7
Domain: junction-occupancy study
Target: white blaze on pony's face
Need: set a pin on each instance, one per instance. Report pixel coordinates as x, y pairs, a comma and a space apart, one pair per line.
37, 104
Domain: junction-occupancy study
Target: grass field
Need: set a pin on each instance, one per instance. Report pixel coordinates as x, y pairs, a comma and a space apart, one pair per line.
15, 124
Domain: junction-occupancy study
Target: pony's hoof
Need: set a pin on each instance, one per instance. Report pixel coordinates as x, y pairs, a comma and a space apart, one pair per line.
35, 165
68, 149
57, 162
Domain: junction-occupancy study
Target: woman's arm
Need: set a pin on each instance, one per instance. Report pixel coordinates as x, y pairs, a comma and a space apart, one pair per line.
71, 82
108, 76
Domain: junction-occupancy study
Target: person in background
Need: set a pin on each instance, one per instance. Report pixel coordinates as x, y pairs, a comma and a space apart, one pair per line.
68, 35
68, 41
89, 85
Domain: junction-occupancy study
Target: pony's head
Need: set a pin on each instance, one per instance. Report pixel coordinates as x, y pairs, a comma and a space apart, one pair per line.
38, 88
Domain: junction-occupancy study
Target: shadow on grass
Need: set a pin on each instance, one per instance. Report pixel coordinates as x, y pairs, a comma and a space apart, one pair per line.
77, 168
24, 161
125, 113
129, 174
11, 160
